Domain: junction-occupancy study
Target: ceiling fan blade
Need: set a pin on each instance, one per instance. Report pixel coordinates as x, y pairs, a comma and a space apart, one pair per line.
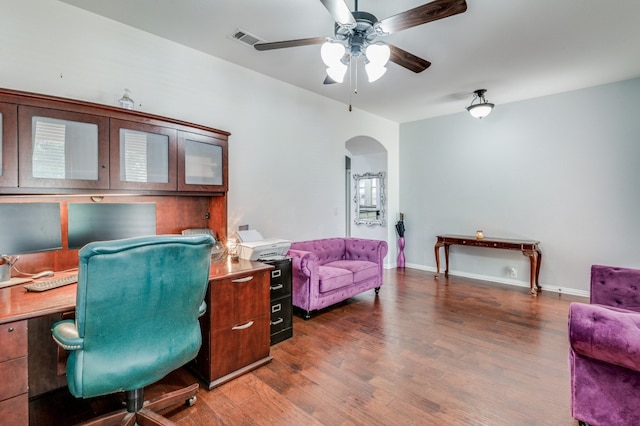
433, 11
290, 43
340, 12
328, 80
408, 60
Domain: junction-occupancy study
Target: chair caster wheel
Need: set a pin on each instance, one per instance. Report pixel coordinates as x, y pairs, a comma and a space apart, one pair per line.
191, 401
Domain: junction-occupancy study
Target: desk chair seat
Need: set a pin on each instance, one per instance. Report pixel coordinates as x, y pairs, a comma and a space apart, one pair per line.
137, 308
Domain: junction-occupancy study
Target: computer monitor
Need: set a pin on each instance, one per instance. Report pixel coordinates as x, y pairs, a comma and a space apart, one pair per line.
29, 228
89, 222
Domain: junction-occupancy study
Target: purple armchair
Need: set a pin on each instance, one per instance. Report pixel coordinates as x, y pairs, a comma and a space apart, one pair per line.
604, 352
331, 270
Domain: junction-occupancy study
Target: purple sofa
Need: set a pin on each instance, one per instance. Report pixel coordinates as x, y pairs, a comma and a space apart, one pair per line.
331, 270
604, 352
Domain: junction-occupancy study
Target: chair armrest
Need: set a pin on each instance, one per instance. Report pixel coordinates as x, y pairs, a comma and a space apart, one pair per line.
607, 334
65, 333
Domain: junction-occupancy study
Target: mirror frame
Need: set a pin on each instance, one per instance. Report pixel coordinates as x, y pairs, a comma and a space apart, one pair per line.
380, 201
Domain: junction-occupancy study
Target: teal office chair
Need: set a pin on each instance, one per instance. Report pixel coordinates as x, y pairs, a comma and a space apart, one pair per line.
137, 308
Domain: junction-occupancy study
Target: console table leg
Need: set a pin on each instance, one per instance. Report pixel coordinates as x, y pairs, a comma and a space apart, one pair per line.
538, 268
533, 259
437, 253
446, 260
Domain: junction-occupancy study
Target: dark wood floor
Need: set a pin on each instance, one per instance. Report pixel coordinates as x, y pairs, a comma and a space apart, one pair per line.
425, 351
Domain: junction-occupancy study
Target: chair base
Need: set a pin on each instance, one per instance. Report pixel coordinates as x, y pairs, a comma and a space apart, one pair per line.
148, 415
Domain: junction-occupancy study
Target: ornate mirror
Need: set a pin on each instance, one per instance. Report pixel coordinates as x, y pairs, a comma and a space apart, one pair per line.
369, 198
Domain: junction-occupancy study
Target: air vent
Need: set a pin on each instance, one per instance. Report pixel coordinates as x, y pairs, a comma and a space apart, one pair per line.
244, 37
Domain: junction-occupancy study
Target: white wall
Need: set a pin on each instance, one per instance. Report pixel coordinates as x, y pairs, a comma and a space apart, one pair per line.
562, 169
286, 151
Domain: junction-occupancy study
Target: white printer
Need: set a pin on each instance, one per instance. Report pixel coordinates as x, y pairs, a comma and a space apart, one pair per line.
253, 246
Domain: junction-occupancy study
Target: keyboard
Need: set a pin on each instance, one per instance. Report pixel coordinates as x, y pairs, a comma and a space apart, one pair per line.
51, 283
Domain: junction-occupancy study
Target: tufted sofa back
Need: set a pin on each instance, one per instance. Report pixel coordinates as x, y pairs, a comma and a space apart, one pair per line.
327, 250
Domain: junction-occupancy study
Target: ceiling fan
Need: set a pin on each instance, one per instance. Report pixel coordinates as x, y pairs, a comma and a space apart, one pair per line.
356, 35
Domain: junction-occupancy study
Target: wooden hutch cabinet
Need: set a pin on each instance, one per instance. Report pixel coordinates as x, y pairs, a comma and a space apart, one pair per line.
67, 146
8, 145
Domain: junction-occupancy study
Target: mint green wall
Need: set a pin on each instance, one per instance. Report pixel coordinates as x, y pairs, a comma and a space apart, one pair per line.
563, 169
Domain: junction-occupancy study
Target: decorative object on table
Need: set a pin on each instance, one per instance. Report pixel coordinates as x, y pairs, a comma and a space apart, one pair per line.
125, 101
232, 249
400, 231
479, 234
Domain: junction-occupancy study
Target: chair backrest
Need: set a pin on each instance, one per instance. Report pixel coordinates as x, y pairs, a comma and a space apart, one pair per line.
137, 308
615, 286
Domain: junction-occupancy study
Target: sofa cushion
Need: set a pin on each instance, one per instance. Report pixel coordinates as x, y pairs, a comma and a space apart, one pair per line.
331, 278
361, 269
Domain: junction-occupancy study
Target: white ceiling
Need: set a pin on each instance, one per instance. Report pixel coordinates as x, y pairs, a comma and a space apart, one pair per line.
516, 49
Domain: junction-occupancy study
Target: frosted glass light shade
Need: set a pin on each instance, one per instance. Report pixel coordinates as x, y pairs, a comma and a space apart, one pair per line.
337, 72
374, 71
378, 54
332, 53
480, 110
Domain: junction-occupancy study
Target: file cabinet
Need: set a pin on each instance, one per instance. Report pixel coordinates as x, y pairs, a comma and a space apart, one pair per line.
281, 303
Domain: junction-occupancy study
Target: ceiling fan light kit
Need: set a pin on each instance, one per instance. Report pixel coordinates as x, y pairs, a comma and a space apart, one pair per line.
356, 32
482, 108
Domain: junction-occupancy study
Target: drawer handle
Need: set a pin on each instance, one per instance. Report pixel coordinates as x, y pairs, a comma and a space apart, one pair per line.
242, 280
276, 308
276, 273
276, 287
278, 321
243, 326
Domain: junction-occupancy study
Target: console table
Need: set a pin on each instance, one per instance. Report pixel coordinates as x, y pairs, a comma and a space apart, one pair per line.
528, 248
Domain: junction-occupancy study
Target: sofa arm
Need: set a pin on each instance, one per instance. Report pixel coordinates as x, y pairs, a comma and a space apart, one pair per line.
305, 262
615, 286
607, 334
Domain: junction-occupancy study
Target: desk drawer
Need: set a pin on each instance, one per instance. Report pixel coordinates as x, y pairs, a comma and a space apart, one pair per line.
15, 411
13, 340
14, 377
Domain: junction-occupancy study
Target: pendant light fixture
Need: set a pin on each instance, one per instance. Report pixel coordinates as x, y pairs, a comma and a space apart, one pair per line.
482, 108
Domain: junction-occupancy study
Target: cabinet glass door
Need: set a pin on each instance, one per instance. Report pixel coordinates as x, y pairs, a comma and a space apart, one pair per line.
8, 146
202, 163
63, 149
142, 156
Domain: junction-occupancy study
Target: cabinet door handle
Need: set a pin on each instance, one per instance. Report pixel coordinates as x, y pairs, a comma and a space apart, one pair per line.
242, 280
278, 321
276, 287
243, 326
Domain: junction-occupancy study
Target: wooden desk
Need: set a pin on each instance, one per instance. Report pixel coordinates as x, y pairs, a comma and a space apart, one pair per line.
23, 313
528, 248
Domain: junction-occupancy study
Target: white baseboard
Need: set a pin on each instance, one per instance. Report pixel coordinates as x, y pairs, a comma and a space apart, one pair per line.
517, 283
